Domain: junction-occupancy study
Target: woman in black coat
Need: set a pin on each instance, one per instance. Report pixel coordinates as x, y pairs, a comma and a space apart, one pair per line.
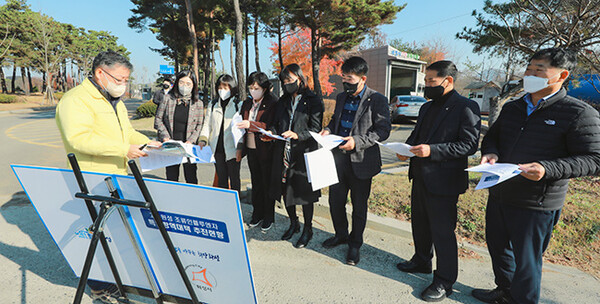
298, 111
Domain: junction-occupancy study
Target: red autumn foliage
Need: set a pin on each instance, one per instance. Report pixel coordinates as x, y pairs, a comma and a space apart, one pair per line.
296, 49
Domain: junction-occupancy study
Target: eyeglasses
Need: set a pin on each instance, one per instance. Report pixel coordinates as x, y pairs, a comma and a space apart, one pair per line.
118, 81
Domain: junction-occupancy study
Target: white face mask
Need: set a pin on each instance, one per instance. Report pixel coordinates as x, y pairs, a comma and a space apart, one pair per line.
532, 84
115, 90
257, 94
185, 91
224, 94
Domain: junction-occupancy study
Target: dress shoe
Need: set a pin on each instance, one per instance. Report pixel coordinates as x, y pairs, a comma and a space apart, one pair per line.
306, 236
436, 292
334, 241
353, 256
266, 225
294, 228
497, 295
254, 222
410, 266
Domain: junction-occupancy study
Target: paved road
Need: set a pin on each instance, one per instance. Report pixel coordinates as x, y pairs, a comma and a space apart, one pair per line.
32, 270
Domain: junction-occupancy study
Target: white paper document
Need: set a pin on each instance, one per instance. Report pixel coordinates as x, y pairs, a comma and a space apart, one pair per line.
202, 155
398, 148
328, 141
320, 168
494, 174
174, 152
237, 132
274, 136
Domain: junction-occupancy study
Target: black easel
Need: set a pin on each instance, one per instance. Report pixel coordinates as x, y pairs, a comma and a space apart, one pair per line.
98, 234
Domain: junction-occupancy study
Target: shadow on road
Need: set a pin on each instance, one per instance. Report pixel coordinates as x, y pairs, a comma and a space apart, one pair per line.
372, 258
46, 262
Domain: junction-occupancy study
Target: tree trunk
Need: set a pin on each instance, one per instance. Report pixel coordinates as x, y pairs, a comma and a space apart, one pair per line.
256, 44
12, 81
247, 53
192, 31
176, 64
316, 58
43, 82
26, 87
29, 79
49, 91
231, 51
3, 78
238, 48
212, 63
279, 42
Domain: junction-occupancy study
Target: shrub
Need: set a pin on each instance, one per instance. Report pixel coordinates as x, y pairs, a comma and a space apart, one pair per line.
147, 109
7, 98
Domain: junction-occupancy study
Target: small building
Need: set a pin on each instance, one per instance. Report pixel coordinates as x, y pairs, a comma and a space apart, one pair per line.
482, 92
392, 72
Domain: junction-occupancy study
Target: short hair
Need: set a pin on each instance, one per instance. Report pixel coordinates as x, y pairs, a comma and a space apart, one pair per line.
444, 68
557, 57
175, 90
260, 78
355, 65
296, 70
228, 80
109, 59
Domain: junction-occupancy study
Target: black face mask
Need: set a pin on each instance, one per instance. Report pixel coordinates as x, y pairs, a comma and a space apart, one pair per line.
291, 88
166, 86
350, 88
434, 92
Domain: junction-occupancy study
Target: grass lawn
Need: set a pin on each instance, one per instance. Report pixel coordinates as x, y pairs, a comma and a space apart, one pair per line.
576, 238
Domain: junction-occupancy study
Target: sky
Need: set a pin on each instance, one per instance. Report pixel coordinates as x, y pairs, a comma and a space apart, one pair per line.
421, 20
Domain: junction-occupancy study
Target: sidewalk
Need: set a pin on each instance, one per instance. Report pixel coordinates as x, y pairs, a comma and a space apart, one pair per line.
33, 270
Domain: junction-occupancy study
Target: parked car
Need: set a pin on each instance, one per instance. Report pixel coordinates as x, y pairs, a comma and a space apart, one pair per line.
405, 107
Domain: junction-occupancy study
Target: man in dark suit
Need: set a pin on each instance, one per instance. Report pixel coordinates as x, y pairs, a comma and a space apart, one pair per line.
447, 132
361, 117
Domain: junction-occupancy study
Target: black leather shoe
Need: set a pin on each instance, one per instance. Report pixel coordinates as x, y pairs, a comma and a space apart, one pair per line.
410, 266
266, 225
254, 222
334, 241
294, 228
435, 292
353, 256
497, 295
306, 236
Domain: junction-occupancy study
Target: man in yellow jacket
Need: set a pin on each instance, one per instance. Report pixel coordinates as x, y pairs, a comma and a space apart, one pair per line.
94, 125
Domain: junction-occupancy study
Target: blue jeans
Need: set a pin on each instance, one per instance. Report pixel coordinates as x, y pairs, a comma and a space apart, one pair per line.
516, 239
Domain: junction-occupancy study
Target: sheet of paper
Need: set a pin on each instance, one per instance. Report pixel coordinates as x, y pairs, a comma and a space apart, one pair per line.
494, 174
320, 168
398, 148
237, 132
274, 136
328, 141
157, 159
203, 155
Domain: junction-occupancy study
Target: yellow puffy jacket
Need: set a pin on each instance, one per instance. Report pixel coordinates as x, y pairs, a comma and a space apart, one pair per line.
90, 128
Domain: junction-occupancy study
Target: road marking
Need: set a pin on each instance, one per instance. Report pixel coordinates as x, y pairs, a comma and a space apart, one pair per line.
36, 132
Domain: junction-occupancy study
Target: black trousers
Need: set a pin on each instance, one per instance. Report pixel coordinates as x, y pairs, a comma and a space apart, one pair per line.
516, 239
189, 171
433, 220
260, 173
228, 172
359, 189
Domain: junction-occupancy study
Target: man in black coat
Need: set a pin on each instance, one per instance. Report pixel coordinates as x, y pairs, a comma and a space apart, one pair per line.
447, 132
553, 137
361, 117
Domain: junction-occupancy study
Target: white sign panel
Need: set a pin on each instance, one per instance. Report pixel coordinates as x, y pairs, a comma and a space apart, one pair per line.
204, 223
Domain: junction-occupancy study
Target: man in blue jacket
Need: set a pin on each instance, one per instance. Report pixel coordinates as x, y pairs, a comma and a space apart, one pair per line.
553, 137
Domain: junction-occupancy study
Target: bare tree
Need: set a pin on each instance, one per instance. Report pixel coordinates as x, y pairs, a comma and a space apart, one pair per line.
239, 28
192, 31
